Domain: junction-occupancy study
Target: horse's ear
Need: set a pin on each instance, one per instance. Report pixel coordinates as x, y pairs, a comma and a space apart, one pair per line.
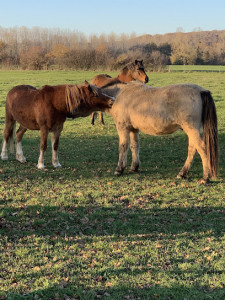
87, 84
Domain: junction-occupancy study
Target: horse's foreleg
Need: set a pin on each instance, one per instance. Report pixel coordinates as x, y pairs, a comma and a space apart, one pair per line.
134, 147
93, 116
43, 147
19, 151
101, 119
191, 152
123, 147
55, 143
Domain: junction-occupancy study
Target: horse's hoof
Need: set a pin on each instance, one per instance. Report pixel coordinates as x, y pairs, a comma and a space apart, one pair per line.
4, 157
118, 173
40, 166
57, 166
133, 171
21, 159
204, 181
182, 176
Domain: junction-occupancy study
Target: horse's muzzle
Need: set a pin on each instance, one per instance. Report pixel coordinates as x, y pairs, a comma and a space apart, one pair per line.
110, 103
146, 79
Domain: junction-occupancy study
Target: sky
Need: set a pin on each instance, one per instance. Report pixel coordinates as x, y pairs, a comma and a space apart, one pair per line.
118, 16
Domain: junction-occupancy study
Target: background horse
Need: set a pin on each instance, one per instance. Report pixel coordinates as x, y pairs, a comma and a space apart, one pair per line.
164, 110
46, 109
133, 71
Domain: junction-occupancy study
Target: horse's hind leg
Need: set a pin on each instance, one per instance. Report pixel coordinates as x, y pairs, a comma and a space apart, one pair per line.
196, 141
55, 143
19, 151
191, 152
123, 148
4, 153
134, 147
10, 124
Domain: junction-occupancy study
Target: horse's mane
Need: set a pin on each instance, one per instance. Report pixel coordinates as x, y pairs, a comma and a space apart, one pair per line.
127, 68
113, 89
131, 66
112, 82
74, 97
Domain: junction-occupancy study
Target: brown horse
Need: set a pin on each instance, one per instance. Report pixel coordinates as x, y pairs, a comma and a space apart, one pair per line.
46, 109
164, 110
133, 71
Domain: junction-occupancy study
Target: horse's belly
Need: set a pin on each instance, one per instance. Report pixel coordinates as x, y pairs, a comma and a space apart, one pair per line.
154, 127
26, 121
31, 125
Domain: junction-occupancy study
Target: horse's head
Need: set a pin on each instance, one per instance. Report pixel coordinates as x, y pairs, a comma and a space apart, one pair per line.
137, 71
98, 100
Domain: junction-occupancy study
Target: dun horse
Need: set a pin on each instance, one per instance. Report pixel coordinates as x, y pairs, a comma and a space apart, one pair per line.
133, 71
46, 109
164, 110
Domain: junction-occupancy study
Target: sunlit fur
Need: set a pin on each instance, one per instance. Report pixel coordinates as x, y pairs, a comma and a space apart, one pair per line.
46, 109
164, 110
133, 71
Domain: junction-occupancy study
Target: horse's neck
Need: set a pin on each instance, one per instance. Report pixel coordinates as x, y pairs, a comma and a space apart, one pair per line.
114, 80
124, 77
112, 90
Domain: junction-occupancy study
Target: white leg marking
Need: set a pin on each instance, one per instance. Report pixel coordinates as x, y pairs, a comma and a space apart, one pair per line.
4, 154
55, 160
19, 153
40, 164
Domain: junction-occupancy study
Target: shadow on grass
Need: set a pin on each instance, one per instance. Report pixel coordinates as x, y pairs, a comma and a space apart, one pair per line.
114, 223
118, 220
148, 291
91, 156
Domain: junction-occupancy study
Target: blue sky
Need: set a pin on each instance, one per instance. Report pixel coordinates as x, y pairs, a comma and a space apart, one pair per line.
118, 16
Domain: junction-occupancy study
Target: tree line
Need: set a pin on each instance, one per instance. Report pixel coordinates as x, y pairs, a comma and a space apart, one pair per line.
42, 48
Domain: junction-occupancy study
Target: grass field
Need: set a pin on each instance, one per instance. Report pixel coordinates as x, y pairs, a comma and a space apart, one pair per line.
80, 233
195, 68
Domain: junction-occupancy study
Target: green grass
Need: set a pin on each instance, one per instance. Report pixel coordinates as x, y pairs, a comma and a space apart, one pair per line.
80, 233
194, 68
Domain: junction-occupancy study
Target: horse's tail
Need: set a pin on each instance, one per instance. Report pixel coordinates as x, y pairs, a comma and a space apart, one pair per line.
11, 138
210, 135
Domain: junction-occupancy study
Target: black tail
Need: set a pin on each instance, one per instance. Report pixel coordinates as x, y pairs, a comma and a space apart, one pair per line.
210, 134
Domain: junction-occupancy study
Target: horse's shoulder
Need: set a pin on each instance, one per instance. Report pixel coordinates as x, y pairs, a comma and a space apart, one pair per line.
44, 92
46, 88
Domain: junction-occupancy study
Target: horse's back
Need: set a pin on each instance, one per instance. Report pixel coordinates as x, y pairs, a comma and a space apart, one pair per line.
21, 89
20, 94
101, 80
136, 95
158, 110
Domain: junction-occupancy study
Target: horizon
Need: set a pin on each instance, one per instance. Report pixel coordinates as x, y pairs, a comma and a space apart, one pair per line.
64, 30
